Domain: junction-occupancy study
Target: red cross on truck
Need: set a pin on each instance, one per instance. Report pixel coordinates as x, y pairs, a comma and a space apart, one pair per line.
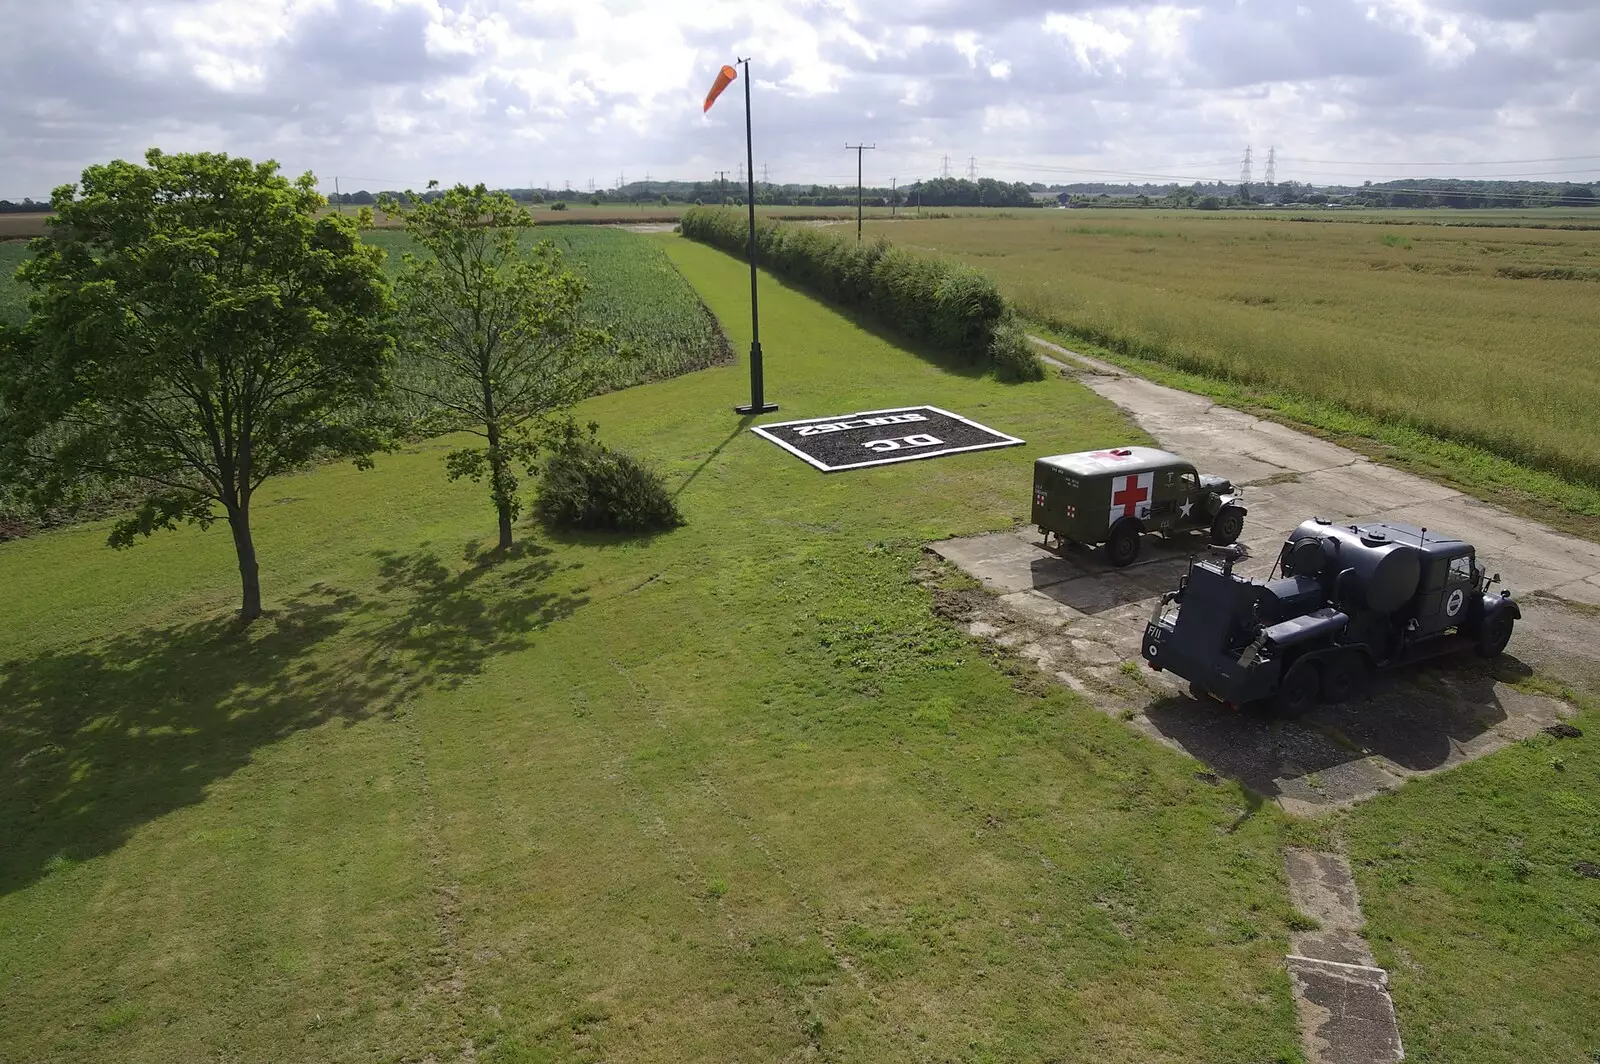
1113, 496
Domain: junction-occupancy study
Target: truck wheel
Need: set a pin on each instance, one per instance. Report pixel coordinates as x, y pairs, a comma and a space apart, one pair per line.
1495, 634
1123, 546
1344, 676
1298, 691
1226, 528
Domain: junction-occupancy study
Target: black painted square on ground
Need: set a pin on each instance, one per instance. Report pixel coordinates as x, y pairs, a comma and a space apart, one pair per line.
880, 437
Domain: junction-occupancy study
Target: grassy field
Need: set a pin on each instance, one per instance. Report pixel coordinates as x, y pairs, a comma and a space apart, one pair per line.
1474, 903
734, 792
731, 793
1480, 335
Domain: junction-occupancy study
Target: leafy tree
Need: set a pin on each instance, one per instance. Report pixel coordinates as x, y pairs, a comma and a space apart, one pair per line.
494, 333
196, 328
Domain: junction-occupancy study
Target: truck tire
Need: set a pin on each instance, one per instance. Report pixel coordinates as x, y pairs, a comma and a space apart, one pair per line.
1299, 690
1123, 546
1228, 525
1495, 634
1344, 677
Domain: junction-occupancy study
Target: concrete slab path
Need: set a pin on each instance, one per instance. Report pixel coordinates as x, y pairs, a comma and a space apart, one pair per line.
1081, 620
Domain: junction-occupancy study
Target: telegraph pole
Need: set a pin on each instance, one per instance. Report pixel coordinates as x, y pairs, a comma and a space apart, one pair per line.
858, 149
338, 202
722, 188
894, 196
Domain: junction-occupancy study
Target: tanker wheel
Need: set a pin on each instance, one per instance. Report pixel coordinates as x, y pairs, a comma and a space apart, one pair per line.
1227, 527
1493, 636
1299, 689
1123, 546
1344, 676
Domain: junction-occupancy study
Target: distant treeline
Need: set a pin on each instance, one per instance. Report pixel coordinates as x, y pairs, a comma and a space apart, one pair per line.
941, 192
987, 192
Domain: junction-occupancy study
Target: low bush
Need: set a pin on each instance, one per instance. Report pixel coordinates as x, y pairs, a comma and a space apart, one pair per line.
585, 485
953, 308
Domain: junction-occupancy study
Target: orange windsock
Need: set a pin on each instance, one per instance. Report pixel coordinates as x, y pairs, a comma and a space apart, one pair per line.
724, 79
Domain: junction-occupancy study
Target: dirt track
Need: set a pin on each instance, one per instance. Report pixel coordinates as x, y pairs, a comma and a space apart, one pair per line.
1081, 621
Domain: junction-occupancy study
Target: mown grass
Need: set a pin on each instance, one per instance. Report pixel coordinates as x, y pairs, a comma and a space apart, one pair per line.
730, 793
1416, 326
1477, 903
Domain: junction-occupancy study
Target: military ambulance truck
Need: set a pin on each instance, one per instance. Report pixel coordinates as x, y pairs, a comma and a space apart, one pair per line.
1115, 496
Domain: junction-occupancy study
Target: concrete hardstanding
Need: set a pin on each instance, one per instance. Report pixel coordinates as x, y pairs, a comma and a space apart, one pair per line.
1080, 621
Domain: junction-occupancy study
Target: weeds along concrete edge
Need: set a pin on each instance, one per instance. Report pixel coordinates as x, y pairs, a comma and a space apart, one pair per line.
1566, 505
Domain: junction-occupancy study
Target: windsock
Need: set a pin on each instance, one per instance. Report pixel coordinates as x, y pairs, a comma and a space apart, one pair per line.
724, 79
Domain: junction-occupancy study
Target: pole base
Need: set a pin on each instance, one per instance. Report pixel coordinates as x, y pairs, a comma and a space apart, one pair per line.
750, 408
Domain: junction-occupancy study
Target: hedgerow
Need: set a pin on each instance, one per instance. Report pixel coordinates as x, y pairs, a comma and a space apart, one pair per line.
952, 308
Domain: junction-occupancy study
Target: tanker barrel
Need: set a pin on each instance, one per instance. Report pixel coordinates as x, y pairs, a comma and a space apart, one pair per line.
1378, 573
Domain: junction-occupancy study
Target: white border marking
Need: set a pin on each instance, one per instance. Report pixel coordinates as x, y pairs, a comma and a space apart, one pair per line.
1003, 440
1337, 964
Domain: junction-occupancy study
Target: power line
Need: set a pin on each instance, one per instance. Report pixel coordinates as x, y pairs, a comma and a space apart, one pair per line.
1244, 168
1272, 166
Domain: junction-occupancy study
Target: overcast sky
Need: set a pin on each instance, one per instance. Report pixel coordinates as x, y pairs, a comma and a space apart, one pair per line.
391, 93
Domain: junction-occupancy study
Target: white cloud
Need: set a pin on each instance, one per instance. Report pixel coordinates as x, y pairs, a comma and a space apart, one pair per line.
558, 90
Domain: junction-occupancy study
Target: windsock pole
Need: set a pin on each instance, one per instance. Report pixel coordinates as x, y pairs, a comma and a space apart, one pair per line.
758, 405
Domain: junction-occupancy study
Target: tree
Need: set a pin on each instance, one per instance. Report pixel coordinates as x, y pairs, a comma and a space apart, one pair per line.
495, 334
195, 329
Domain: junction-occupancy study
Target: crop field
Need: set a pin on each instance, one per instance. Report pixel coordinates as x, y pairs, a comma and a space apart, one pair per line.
13, 296
658, 325
1482, 335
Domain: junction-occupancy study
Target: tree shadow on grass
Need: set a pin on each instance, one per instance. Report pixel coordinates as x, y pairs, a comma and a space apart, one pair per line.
98, 739
454, 622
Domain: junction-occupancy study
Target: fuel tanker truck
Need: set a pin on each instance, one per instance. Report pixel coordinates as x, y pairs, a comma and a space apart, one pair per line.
1347, 599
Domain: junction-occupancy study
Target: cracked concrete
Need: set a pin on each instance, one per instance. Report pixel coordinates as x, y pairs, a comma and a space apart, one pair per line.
1341, 996
1081, 621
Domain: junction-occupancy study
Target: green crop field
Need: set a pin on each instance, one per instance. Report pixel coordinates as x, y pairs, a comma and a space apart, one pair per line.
1477, 334
658, 325
13, 296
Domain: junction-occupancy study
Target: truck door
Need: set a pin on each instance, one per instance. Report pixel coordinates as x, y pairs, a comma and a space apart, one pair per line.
1164, 498
1458, 586
1447, 590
